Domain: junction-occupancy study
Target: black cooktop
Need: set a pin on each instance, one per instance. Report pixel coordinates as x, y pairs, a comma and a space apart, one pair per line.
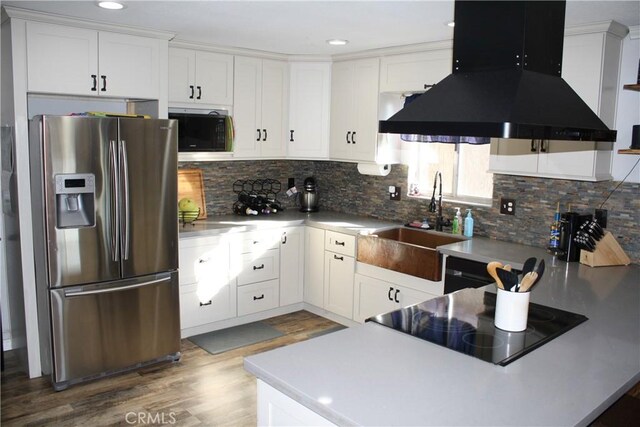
463, 321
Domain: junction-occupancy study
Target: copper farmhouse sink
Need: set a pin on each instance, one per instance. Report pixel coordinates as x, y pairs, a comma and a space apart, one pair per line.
405, 250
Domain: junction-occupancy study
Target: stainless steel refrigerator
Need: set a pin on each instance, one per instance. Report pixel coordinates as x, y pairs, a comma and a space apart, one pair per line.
104, 194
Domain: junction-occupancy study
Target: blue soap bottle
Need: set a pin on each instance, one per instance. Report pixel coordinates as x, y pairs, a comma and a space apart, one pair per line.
468, 224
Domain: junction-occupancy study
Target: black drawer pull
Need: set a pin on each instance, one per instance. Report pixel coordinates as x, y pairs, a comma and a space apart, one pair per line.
341, 258
348, 133
353, 137
259, 135
95, 82
338, 243
206, 303
389, 294
265, 135
543, 149
260, 267
395, 297
202, 261
192, 91
291, 138
257, 298
199, 92
534, 147
104, 83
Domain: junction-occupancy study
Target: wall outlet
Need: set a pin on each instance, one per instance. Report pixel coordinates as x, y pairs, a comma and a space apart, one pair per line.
394, 192
507, 206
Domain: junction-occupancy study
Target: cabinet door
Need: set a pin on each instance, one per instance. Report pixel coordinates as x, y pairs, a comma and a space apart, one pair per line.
364, 140
247, 104
513, 156
314, 266
62, 59
309, 106
274, 114
182, 75
373, 297
574, 159
130, 65
404, 297
214, 78
292, 266
581, 66
411, 72
342, 99
338, 283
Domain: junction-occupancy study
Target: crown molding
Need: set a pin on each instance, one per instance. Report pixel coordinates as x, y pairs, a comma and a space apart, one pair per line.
395, 50
611, 27
52, 18
634, 32
230, 50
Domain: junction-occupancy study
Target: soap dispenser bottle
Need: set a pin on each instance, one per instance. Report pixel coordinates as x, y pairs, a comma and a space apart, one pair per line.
468, 224
457, 222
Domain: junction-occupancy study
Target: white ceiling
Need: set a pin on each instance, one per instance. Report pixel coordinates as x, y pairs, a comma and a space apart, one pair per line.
302, 27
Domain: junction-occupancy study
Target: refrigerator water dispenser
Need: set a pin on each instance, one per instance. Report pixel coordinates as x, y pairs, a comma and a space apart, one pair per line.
75, 200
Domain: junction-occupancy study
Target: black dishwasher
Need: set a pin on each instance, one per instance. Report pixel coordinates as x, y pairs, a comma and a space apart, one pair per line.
462, 273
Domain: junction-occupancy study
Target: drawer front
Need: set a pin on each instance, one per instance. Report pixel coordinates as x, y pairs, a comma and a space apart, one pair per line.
200, 256
196, 309
255, 267
341, 243
258, 241
258, 297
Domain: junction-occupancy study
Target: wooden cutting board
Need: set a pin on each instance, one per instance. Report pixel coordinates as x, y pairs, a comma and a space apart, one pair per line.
190, 184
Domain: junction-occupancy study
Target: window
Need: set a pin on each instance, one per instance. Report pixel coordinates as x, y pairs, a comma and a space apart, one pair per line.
463, 168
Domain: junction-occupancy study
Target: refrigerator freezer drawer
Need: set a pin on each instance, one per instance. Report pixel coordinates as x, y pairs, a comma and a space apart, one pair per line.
104, 328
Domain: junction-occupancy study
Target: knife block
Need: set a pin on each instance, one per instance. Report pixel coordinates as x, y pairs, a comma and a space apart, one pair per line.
608, 252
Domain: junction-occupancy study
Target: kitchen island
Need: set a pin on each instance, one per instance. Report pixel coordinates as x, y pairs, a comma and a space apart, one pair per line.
372, 375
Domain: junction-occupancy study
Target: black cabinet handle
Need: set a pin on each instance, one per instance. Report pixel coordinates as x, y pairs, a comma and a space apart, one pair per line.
192, 92
353, 137
543, 149
199, 92
257, 298
348, 133
95, 82
259, 267
291, 137
201, 261
395, 297
104, 83
339, 258
534, 146
284, 239
389, 294
259, 135
338, 243
265, 134
206, 303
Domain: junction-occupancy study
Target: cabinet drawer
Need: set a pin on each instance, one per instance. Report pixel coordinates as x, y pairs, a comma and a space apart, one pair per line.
202, 256
258, 297
258, 267
257, 242
340, 243
197, 309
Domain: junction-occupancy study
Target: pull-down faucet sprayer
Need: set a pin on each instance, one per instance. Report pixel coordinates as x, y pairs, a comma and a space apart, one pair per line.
432, 204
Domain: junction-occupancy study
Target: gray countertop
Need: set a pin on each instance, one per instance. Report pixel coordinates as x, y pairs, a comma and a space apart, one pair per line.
373, 375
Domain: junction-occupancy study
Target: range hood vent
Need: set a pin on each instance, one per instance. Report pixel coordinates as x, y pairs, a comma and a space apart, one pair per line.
507, 62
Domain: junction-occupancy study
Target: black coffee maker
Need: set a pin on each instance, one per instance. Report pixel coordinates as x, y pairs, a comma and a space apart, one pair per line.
570, 223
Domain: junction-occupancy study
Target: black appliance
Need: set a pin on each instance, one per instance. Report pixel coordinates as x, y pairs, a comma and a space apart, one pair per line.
507, 59
202, 132
570, 223
463, 321
461, 273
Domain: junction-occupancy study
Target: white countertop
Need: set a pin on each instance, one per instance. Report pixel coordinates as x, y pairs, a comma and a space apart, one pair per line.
377, 376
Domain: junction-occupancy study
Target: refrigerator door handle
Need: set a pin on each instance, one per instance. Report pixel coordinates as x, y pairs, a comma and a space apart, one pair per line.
114, 205
114, 289
126, 224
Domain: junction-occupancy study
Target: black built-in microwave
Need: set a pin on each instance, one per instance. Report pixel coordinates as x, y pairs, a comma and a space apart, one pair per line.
202, 132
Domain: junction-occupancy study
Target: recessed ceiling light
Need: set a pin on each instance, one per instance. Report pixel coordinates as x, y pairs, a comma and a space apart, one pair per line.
111, 5
451, 24
337, 42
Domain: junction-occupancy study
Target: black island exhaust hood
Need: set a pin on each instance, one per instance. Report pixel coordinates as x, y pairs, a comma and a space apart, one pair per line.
507, 62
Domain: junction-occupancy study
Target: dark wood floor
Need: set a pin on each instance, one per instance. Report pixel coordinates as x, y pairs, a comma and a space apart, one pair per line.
200, 389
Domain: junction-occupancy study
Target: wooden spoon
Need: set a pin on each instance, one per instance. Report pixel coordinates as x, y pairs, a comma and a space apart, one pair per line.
527, 281
491, 269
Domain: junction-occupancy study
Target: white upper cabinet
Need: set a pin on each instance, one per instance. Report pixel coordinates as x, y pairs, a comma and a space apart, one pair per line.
260, 92
76, 61
309, 110
354, 110
199, 77
414, 72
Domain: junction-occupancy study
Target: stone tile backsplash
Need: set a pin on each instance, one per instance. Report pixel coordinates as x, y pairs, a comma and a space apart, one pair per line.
342, 188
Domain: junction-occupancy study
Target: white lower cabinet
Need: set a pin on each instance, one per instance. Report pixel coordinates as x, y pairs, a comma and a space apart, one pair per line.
373, 296
258, 297
314, 266
291, 265
338, 283
277, 409
207, 293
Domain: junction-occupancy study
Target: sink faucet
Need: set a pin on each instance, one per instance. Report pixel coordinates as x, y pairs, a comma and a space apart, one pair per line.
432, 204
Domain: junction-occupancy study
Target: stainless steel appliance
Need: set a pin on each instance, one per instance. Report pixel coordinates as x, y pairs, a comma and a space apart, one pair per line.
464, 321
105, 231
309, 196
